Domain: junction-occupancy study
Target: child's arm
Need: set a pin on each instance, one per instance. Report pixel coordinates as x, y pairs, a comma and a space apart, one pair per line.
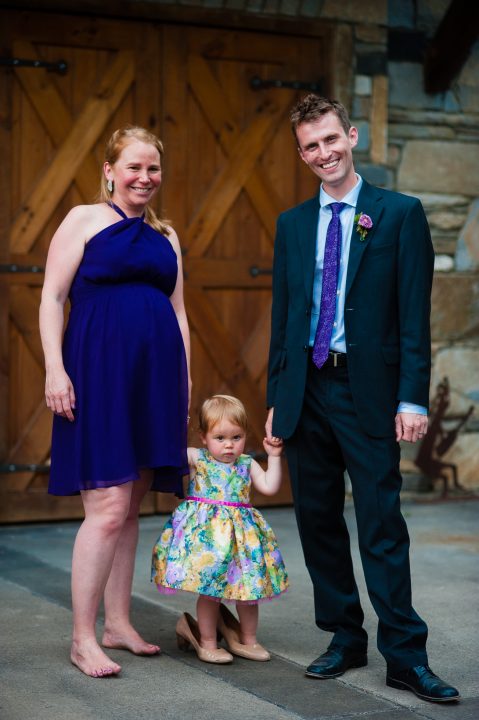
269, 482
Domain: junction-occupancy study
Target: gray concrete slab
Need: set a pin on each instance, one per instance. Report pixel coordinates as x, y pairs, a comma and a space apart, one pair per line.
35, 620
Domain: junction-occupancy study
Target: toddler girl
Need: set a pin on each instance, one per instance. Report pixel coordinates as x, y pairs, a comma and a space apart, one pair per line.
216, 544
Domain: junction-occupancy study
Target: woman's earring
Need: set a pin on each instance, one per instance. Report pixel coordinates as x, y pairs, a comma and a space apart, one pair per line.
110, 185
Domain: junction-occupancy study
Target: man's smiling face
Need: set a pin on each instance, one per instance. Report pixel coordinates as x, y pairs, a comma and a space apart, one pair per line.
326, 148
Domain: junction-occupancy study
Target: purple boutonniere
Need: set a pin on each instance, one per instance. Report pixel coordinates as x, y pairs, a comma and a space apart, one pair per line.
364, 223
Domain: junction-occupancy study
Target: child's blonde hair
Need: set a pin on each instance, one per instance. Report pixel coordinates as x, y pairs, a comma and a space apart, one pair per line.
217, 407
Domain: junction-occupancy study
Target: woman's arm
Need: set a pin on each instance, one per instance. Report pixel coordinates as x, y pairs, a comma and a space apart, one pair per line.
64, 256
178, 303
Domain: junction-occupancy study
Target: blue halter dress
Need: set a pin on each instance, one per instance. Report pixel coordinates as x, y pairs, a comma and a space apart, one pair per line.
124, 353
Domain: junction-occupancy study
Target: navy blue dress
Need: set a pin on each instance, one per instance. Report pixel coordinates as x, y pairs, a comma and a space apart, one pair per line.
125, 356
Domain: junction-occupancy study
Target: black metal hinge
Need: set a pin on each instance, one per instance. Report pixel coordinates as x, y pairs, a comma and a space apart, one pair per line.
59, 67
13, 268
9, 468
257, 83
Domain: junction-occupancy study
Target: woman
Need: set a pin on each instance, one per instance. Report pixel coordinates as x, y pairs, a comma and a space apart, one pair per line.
119, 386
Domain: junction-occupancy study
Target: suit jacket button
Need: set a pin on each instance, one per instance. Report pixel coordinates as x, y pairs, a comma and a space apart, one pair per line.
305, 348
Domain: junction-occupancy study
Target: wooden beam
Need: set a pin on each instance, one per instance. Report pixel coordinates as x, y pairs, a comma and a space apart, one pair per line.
61, 171
229, 182
55, 115
451, 45
225, 356
236, 273
213, 102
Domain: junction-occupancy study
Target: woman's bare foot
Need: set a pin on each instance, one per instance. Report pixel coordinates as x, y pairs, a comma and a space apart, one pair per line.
127, 638
91, 660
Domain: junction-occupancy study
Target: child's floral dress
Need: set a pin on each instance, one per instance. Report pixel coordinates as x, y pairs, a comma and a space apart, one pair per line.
215, 543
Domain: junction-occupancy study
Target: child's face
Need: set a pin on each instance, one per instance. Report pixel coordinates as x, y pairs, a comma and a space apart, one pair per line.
225, 441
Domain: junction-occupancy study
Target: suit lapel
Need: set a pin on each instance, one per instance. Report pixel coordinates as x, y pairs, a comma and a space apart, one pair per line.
307, 229
370, 202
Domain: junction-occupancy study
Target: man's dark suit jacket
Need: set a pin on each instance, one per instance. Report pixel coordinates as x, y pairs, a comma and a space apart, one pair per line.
386, 315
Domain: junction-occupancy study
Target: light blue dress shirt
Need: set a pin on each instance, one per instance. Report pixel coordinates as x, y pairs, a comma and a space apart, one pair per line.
338, 339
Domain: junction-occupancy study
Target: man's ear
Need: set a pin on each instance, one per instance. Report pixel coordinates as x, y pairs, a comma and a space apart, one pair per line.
300, 152
353, 136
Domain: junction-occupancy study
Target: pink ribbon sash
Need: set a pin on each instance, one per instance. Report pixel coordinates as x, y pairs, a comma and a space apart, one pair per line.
218, 502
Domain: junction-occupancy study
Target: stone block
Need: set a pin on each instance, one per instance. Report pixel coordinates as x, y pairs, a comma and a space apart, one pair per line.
467, 250
361, 106
371, 34
405, 131
440, 167
436, 201
401, 13
406, 88
375, 174
311, 8
373, 11
363, 135
289, 7
363, 85
455, 307
446, 221
443, 263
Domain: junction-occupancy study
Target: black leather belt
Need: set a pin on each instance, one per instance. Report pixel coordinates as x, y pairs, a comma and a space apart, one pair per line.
336, 359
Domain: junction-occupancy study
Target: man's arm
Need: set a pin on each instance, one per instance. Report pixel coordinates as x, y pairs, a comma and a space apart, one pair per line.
279, 312
415, 273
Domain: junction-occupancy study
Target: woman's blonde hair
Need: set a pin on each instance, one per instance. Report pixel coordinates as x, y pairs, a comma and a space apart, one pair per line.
114, 147
218, 407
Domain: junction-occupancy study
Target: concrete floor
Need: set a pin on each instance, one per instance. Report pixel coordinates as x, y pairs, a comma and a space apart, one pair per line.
35, 620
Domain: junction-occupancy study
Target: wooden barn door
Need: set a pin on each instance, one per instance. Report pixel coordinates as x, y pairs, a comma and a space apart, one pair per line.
59, 118
231, 168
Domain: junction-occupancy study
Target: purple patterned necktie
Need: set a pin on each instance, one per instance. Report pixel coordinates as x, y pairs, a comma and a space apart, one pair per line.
327, 310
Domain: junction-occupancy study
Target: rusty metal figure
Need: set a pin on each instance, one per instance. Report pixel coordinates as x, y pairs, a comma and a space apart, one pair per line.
439, 440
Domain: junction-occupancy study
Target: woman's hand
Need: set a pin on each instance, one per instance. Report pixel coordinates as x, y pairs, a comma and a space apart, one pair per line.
59, 394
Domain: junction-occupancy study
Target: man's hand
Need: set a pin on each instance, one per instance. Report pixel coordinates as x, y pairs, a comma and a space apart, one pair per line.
410, 427
274, 441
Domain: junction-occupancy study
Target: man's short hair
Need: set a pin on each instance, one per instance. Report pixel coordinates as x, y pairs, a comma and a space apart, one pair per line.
312, 107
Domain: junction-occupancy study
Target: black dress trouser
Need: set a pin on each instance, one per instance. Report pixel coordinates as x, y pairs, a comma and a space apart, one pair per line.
327, 441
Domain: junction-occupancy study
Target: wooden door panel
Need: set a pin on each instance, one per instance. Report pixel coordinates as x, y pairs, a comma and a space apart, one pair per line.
230, 168
239, 171
59, 127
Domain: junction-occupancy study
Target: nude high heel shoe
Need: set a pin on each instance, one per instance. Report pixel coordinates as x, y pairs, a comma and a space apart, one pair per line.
229, 628
188, 633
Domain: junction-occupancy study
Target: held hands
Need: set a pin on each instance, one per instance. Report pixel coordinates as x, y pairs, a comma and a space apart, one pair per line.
410, 427
59, 394
273, 446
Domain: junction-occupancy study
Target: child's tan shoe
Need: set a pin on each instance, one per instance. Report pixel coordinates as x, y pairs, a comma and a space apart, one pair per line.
229, 628
188, 633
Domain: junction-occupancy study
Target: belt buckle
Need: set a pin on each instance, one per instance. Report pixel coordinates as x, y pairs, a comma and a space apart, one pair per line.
335, 357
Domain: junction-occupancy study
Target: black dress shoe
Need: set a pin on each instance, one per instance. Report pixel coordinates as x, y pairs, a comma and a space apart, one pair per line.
335, 661
423, 682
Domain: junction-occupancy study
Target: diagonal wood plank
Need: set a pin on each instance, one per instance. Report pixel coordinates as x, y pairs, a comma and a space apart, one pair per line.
53, 113
24, 313
216, 109
254, 352
34, 442
81, 138
228, 183
225, 356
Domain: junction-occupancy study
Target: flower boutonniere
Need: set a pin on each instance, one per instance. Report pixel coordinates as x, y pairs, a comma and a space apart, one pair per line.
364, 224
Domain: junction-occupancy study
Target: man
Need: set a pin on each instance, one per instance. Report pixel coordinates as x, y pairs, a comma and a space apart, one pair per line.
349, 375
